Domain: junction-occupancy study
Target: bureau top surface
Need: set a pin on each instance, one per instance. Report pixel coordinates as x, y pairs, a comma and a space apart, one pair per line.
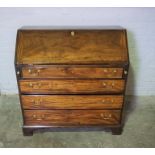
71, 46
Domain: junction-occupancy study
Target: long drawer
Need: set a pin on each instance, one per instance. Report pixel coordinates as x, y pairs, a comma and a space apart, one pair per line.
71, 86
70, 72
72, 117
72, 101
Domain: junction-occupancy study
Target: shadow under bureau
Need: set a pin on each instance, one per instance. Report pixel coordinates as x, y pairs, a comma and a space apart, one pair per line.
72, 77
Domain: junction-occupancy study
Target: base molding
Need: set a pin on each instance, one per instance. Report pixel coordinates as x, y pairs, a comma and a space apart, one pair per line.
29, 130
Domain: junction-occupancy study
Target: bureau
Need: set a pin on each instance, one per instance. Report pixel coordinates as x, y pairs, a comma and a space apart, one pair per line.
70, 78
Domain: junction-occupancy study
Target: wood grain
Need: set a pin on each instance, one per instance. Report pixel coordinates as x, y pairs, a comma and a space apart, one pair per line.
60, 47
72, 117
70, 72
72, 101
71, 78
71, 86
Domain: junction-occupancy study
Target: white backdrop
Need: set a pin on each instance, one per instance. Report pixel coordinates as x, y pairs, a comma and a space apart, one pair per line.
140, 23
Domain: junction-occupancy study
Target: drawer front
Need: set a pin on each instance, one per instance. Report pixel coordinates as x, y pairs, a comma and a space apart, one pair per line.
72, 117
71, 72
71, 86
71, 101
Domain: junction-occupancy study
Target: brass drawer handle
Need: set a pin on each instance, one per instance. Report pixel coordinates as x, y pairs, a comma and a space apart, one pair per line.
115, 71
30, 85
38, 118
34, 72
37, 102
104, 84
38, 85
105, 116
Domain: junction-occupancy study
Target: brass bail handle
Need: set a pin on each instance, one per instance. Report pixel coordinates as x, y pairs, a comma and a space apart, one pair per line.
37, 102
38, 85
34, 72
105, 116
38, 118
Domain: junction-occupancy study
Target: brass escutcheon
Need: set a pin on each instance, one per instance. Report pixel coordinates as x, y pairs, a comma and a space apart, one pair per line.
72, 33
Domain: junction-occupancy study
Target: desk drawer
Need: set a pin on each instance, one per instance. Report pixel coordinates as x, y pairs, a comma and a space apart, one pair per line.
72, 101
71, 72
72, 117
71, 86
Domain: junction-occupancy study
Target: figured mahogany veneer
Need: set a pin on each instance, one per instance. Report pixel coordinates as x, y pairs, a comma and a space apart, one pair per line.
72, 77
62, 47
71, 72
72, 101
71, 117
71, 86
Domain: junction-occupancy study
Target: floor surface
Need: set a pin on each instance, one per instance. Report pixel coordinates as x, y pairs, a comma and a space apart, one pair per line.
139, 129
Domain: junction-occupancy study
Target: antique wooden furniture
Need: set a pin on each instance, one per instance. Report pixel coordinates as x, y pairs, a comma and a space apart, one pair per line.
72, 77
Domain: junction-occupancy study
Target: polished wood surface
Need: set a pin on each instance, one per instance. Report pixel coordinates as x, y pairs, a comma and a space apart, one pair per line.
71, 47
72, 77
71, 72
71, 86
71, 117
72, 101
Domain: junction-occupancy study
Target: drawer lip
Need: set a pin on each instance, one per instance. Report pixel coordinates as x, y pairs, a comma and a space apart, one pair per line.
72, 101
71, 72
72, 117
59, 86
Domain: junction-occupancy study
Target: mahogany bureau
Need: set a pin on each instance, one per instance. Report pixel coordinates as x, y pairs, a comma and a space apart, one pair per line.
70, 78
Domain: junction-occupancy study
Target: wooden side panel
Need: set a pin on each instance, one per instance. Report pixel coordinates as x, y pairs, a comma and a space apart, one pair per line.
71, 86
72, 117
71, 72
72, 101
